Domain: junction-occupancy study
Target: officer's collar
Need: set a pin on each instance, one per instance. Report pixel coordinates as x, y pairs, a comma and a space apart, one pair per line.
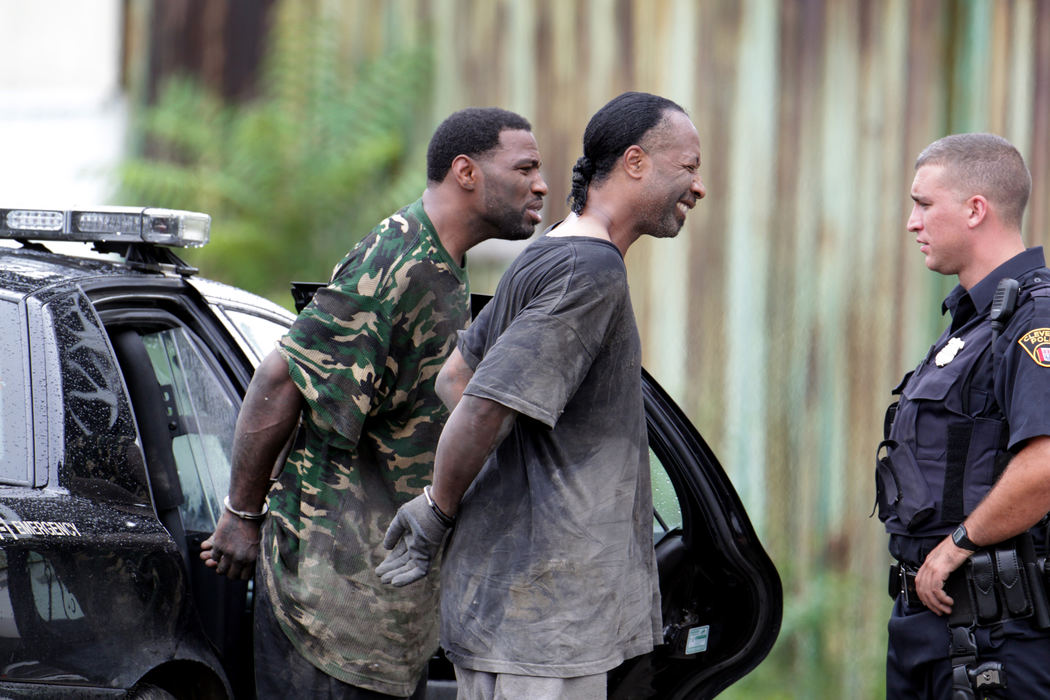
982, 293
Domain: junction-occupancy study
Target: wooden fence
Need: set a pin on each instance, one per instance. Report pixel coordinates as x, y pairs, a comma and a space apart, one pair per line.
794, 299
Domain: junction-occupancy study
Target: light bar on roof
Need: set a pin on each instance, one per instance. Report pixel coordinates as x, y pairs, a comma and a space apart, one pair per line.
167, 227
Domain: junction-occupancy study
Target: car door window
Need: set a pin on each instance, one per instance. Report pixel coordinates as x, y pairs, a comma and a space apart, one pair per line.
100, 456
259, 334
667, 512
14, 459
201, 412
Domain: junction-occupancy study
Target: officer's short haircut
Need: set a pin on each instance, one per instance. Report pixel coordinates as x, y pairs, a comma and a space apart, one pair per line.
468, 132
984, 164
633, 118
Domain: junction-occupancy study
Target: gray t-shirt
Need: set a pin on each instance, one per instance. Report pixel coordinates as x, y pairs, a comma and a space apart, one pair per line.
550, 570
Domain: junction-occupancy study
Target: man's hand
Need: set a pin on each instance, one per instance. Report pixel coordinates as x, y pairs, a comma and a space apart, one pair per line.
414, 536
934, 572
233, 548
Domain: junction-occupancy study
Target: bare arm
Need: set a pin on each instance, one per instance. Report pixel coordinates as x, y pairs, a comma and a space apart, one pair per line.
453, 378
1018, 501
265, 423
476, 427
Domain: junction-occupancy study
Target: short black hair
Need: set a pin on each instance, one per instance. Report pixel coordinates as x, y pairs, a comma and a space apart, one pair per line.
468, 132
624, 121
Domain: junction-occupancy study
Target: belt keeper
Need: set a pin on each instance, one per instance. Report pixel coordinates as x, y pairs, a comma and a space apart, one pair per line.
902, 584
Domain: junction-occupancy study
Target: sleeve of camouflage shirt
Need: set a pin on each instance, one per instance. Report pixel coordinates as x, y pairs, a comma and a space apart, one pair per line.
337, 351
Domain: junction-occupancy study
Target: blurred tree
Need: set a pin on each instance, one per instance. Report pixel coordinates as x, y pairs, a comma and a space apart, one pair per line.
293, 178
221, 42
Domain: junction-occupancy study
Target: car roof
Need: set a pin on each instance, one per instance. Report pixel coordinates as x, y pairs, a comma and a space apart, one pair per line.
218, 292
27, 270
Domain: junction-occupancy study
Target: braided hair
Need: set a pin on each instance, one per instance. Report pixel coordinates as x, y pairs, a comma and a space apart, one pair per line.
623, 122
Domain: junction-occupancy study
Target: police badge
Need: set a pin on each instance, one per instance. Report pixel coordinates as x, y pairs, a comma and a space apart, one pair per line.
949, 351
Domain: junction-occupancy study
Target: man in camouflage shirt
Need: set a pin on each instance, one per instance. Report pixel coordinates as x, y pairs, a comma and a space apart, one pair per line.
359, 366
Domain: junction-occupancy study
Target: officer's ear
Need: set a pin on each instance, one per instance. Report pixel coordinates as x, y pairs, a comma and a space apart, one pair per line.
977, 210
466, 171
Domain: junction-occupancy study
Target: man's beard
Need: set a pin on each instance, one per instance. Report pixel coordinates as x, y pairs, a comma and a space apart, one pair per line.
512, 225
666, 222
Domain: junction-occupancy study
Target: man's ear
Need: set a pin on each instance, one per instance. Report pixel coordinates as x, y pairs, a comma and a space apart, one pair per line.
977, 210
466, 171
635, 161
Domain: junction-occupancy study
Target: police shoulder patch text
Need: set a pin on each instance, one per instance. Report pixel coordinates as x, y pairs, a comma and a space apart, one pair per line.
1036, 343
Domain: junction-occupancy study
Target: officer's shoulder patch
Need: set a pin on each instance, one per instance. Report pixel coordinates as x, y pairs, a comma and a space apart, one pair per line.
1036, 343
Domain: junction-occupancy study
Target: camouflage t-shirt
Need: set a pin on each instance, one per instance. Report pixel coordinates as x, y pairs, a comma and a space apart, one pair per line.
365, 354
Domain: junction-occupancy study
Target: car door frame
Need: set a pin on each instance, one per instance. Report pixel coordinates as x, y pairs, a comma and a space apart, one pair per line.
223, 607
716, 535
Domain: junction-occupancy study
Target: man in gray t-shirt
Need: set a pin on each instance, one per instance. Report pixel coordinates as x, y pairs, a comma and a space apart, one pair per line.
561, 516
549, 580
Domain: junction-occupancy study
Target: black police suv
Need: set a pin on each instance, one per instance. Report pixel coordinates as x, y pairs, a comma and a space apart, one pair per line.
121, 373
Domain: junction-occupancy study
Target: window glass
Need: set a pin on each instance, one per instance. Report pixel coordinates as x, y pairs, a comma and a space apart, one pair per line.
203, 413
260, 334
102, 458
667, 513
14, 457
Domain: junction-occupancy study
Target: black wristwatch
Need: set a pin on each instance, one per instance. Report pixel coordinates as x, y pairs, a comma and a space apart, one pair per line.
962, 541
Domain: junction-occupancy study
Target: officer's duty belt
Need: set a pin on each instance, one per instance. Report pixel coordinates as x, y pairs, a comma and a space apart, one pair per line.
994, 585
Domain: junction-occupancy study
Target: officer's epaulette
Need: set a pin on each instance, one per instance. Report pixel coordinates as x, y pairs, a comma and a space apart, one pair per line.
1037, 286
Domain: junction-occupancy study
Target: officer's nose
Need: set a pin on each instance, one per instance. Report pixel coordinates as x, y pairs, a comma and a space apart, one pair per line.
914, 220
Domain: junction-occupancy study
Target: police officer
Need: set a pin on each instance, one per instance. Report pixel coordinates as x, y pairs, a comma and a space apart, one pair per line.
964, 472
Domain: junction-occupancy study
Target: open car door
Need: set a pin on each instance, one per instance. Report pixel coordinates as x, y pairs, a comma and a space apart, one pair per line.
722, 598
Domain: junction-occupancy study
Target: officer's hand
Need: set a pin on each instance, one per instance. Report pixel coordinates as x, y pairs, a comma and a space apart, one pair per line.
929, 582
414, 538
233, 548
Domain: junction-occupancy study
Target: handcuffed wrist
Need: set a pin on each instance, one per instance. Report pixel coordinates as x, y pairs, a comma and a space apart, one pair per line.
244, 514
446, 520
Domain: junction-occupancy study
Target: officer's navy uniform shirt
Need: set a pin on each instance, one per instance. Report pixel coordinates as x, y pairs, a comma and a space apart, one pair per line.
1017, 383
1008, 377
